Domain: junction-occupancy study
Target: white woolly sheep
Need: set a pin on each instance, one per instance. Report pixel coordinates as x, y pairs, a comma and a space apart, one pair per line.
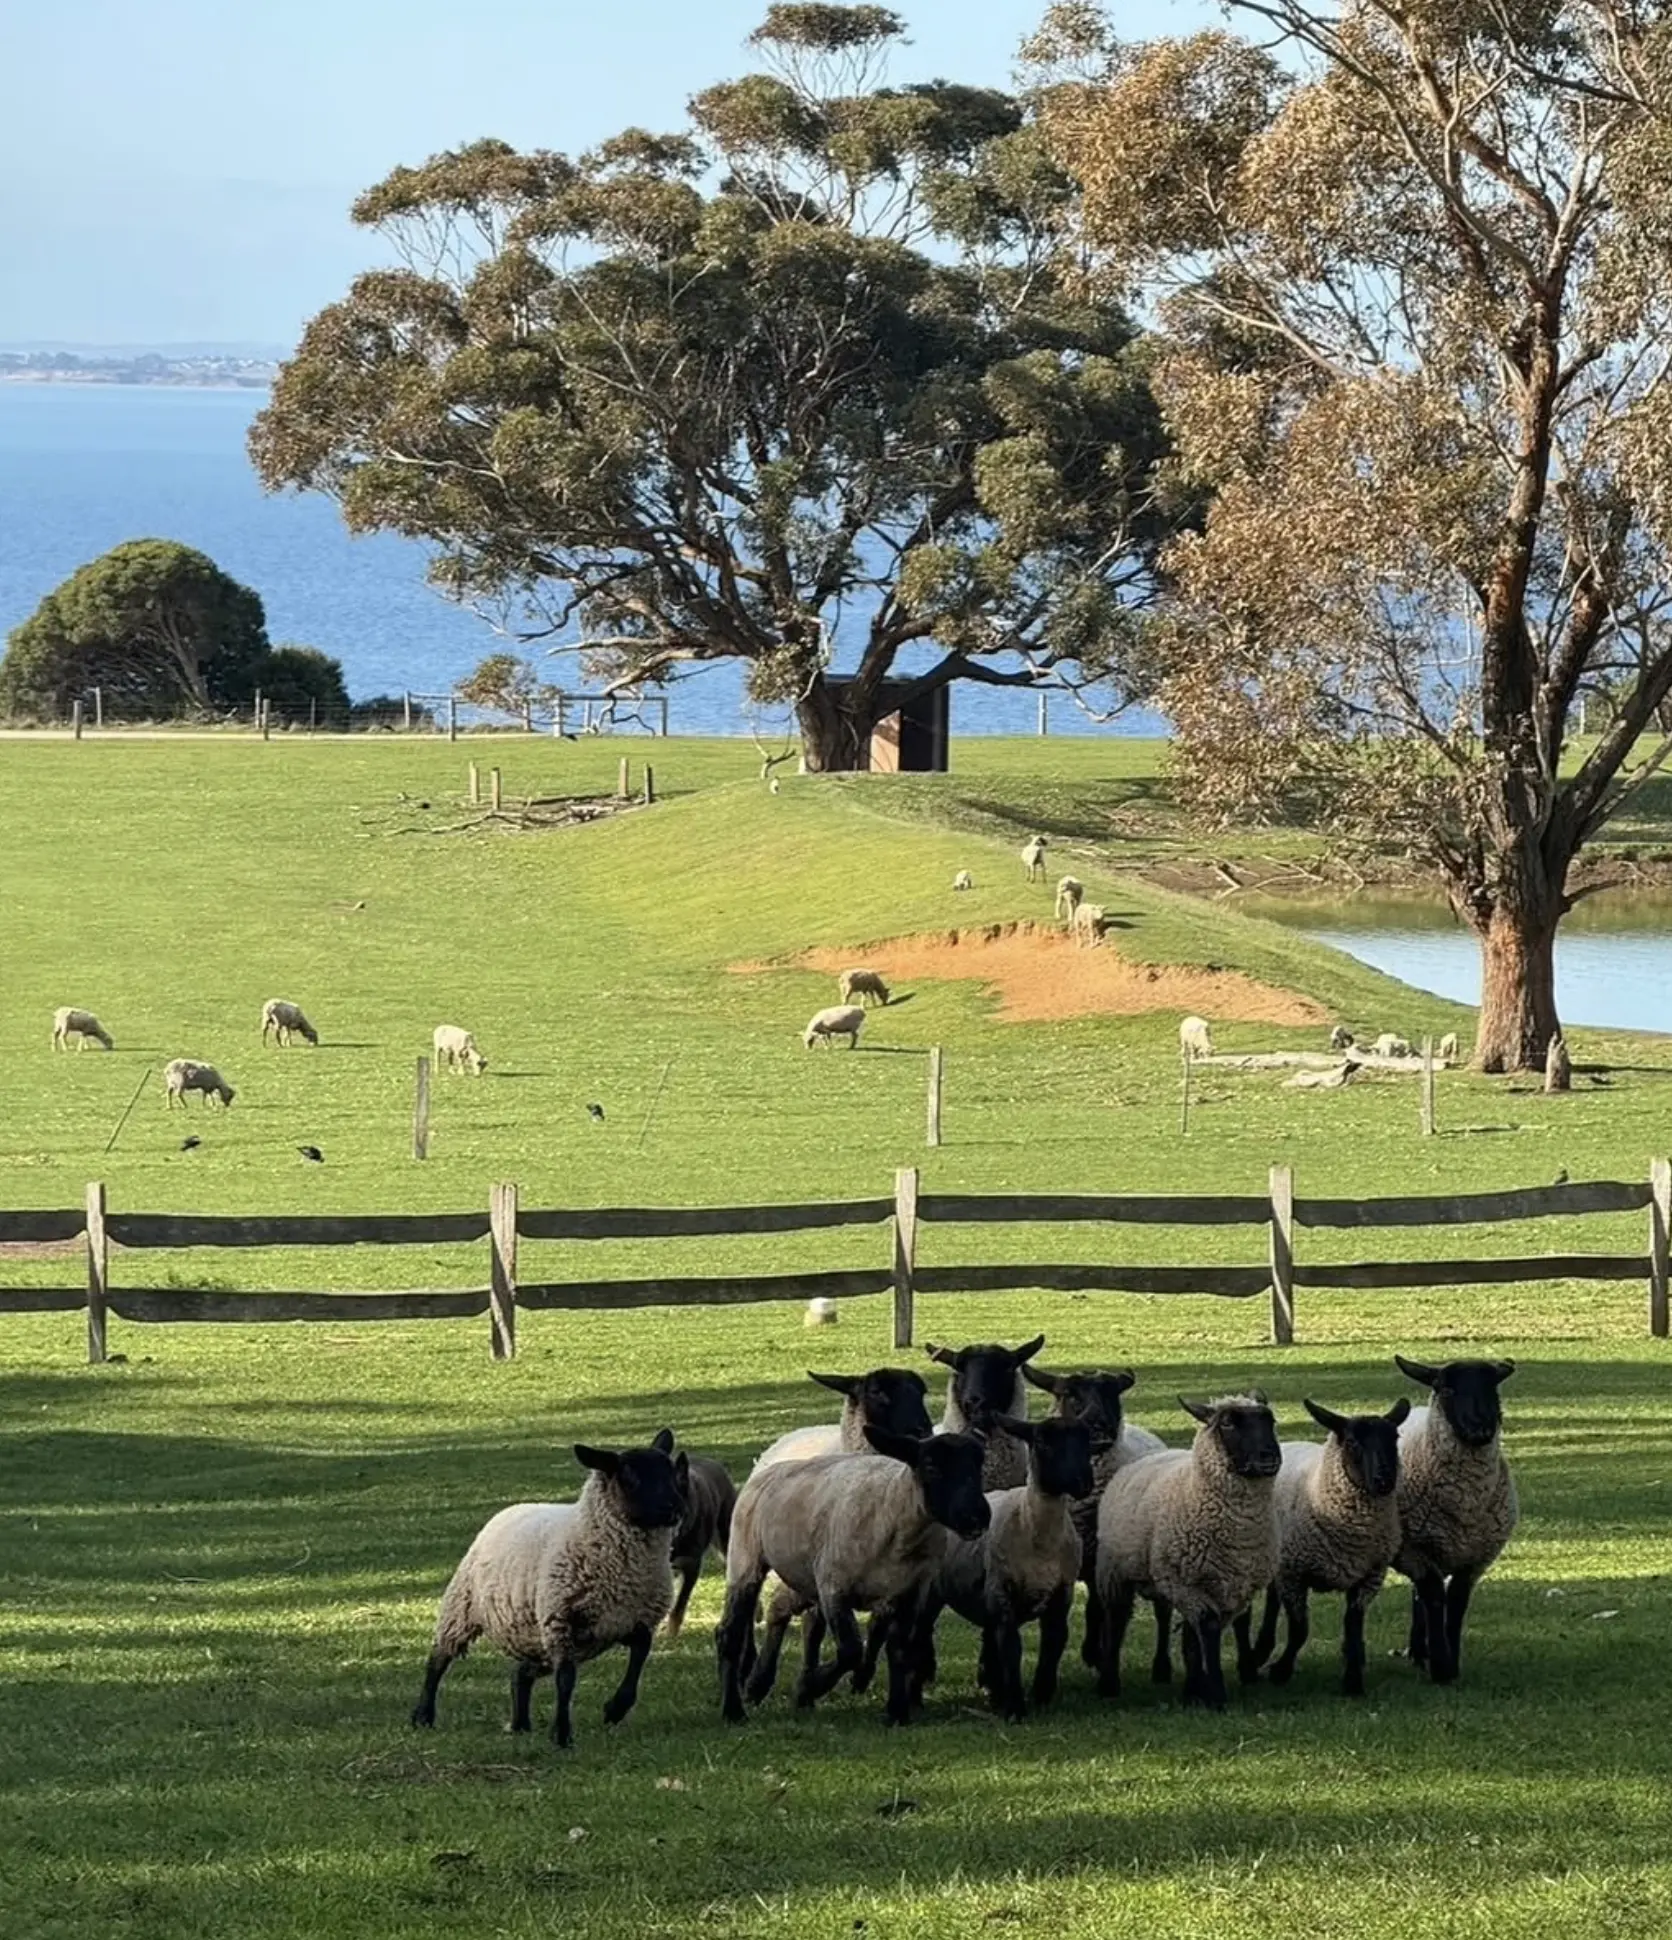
842, 1020
963, 880
554, 1584
1195, 1037
866, 985
1446, 1049
1087, 923
1195, 1531
1389, 1045
1338, 1524
893, 1398
844, 1534
285, 1021
456, 1048
81, 1025
181, 1075
1341, 1039
710, 1496
1024, 1568
986, 1389
1457, 1502
1070, 893
1033, 857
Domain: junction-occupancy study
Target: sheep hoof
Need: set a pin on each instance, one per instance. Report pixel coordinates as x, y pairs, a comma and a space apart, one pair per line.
1280, 1673
423, 1717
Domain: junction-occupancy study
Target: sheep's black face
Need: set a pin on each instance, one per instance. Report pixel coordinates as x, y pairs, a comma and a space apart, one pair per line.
1093, 1399
1370, 1450
949, 1474
652, 1488
1248, 1435
896, 1399
1061, 1457
1466, 1393
984, 1379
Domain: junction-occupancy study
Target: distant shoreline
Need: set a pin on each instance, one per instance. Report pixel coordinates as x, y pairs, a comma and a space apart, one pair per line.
92, 380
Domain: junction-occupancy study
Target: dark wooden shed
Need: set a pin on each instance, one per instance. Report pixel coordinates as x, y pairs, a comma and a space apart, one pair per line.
913, 738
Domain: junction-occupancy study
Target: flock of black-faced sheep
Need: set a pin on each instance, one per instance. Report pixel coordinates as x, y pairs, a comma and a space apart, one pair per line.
999, 1519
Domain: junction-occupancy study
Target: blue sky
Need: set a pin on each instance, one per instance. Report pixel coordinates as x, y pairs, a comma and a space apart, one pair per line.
176, 170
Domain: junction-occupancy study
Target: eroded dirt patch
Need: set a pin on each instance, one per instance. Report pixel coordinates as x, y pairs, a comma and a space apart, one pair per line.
1039, 975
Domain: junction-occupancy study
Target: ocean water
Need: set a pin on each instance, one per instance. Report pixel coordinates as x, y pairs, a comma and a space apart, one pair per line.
83, 467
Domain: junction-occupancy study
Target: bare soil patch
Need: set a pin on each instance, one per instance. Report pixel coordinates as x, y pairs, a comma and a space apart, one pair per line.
1039, 975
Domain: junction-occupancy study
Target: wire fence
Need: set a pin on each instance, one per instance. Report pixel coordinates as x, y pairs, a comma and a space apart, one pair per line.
570, 715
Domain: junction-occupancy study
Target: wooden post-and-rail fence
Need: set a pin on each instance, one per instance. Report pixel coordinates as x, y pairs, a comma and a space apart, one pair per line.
908, 1214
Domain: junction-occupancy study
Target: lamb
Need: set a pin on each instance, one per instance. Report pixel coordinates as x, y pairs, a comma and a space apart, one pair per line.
285, 1021
1070, 892
1033, 857
1341, 1039
846, 1533
456, 1049
79, 1024
1339, 1530
554, 1584
1390, 1046
1195, 1037
1195, 1531
181, 1075
987, 1387
863, 984
1457, 1502
1087, 924
893, 1398
1094, 1399
1026, 1565
840, 1021
963, 880
710, 1495
1446, 1049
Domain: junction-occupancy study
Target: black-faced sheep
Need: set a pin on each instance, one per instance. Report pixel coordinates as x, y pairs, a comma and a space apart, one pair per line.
1033, 857
285, 1020
866, 985
987, 1387
181, 1075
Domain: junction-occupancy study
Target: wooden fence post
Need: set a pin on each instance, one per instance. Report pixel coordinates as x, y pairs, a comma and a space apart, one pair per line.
75, 718
313, 713
936, 1071
98, 1272
1044, 714
1660, 1220
528, 716
266, 720
473, 786
502, 1284
406, 712
452, 717
558, 722
649, 785
1282, 1256
623, 779
1428, 1087
493, 789
1184, 1091
258, 710
421, 1112
98, 707
905, 1251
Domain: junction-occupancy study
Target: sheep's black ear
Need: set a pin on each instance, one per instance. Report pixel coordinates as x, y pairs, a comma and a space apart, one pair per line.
1502, 1370
682, 1472
944, 1355
1028, 1349
1325, 1417
847, 1384
1199, 1409
605, 1460
898, 1448
1015, 1425
1123, 1379
1417, 1371
662, 1442
1042, 1378
1397, 1413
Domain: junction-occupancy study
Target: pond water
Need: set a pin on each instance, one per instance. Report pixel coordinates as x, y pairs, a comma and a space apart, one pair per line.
1613, 956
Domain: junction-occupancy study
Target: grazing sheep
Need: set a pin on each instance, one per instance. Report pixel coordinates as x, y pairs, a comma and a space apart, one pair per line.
285, 1021
821, 1312
963, 880
1094, 1398
1195, 1037
844, 1534
986, 1387
456, 1049
1339, 1530
554, 1584
843, 1020
1024, 1568
1446, 1049
1341, 1039
1033, 857
181, 1075
1070, 893
1457, 1503
710, 1495
1390, 1046
892, 1398
1087, 924
1195, 1531
79, 1024
865, 985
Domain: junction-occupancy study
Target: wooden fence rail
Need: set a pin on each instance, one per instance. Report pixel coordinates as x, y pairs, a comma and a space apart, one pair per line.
1277, 1214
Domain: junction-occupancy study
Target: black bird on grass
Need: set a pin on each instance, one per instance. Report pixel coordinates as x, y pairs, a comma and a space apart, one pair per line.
190, 1144
312, 1153
1561, 1177
595, 1112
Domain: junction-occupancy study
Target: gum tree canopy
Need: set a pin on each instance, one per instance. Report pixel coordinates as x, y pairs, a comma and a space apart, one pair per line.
1414, 258
814, 364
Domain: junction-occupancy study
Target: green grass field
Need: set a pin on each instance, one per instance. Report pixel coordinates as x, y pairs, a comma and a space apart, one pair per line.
221, 1556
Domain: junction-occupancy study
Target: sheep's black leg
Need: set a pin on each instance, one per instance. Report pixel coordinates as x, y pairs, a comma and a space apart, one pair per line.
736, 1625
850, 1653
1431, 1590
1266, 1642
1418, 1648
526, 1672
1161, 1666
1008, 1698
690, 1570
1192, 1664
563, 1725
1053, 1641
1458, 1592
876, 1638
763, 1669
907, 1640
1352, 1642
1300, 1628
626, 1693
812, 1643
1117, 1614
423, 1712
1094, 1627
1248, 1664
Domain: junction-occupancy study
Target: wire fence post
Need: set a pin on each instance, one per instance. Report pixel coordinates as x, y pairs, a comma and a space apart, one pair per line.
624, 779
937, 1069
472, 785
1660, 1220
75, 719
421, 1111
1184, 1090
905, 1252
98, 707
649, 785
98, 1272
1282, 1256
406, 712
1428, 1087
502, 1285
493, 789
452, 717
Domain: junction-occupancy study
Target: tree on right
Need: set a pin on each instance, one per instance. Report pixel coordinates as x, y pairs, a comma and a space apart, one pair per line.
1412, 265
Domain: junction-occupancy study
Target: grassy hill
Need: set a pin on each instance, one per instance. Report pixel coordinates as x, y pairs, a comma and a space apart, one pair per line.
221, 1555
